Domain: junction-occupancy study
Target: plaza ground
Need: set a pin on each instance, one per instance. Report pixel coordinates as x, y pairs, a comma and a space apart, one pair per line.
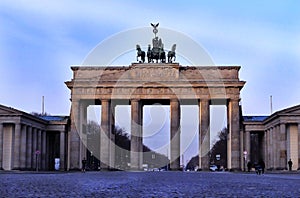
149, 184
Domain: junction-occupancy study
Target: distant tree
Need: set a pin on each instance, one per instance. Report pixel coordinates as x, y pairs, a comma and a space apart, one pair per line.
40, 114
122, 148
219, 148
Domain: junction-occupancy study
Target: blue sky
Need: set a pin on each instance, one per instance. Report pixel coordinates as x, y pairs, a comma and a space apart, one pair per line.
39, 40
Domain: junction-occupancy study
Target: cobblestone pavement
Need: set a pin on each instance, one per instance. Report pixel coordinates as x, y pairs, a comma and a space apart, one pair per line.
148, 184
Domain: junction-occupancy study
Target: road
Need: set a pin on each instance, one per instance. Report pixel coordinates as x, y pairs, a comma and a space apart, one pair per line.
148, 184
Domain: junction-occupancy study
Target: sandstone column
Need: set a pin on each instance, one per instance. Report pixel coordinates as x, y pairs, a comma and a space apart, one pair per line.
34, 147
1, 146
247, 145
204, 134
112, 139
267, 150
105, 133
74, 139
43, 152
234, 162
298, 146
264, 146
136, 150
282, 146
62, 150
175, 134
82, 131
23, 147
17, 143
39, 148
29, 148
272, 143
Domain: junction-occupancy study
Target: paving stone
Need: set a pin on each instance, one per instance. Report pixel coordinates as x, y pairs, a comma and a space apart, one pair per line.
148, 184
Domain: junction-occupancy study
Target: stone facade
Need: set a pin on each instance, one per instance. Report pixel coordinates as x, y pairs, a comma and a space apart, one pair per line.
27, 142
274, 138
141, 84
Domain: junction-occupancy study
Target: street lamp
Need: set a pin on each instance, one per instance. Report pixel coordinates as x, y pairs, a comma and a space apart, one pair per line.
245, 159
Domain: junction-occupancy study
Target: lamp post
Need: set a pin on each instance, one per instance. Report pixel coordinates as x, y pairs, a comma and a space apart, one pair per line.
37, 153
245, 159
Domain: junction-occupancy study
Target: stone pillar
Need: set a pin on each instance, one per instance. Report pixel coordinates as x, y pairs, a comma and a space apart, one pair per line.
82, 130
136, 150
298, 146
34, 148
39, 148
175, 134
264, 146
105, 133
266, 154
234, 163
1, 146
74, 139
247, 145
268, 160
29, 148
204, 134
112, 139
17, 144
272, 145
43, 152
282, 147
62, 150
23, 147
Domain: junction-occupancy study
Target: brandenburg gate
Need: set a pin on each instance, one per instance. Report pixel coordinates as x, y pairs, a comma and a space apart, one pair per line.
153, 83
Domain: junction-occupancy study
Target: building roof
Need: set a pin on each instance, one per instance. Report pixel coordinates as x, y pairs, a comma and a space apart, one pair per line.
254, 118
53, 118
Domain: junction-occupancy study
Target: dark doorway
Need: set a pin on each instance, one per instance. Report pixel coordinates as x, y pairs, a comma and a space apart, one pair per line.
93, 163
256, 147
53, 149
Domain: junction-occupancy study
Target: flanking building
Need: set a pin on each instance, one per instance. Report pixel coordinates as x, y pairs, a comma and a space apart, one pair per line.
29, 142
274, 139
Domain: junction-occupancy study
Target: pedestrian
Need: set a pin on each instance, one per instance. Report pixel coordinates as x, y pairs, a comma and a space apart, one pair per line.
290, 163
258, 168
249, 166
83, 165
262, 165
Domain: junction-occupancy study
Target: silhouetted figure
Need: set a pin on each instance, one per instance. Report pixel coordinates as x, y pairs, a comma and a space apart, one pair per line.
83, 165
290, 163
258, 168
249, 166
262, 165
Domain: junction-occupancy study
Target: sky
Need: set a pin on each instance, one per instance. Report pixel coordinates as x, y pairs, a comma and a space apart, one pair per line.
40, 40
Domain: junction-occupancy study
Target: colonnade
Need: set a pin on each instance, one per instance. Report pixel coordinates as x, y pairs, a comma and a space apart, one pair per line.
77, 139
280, 142
24, 147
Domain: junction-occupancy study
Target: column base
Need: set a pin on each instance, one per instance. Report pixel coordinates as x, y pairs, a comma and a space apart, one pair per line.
175, 169
235, 170
136, 170
74, 169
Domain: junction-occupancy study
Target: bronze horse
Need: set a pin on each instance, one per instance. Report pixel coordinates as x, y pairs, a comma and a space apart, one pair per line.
140, 53
172, 54
156, 53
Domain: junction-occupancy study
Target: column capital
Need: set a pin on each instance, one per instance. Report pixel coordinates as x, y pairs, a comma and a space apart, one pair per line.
234, 100
135, 100
174, 100
204, 99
